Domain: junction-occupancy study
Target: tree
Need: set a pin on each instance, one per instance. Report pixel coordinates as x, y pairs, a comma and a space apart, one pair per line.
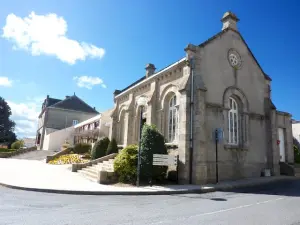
112, 147
152, 142
100, 147
7, 126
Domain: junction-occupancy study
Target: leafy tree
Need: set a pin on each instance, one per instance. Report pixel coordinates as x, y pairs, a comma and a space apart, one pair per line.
296, 150
112, 147
152, 142
6, 125
99, 148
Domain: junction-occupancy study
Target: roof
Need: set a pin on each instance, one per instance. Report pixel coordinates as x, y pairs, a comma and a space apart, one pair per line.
90, 120
144, 77
267, 77
74, 103
51, 101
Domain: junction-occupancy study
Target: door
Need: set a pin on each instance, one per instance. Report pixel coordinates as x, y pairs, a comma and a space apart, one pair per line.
281, 144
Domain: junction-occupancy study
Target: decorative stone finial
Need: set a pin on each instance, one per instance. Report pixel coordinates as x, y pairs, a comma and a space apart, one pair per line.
229, 20
150, 69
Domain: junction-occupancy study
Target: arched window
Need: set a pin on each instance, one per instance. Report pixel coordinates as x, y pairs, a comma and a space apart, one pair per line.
233, 116
172, 120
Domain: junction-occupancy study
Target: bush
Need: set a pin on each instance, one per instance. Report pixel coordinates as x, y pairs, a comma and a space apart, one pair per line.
125, 164
296, 154
17, 144
81, 148
152, 142
100, 147
112, 147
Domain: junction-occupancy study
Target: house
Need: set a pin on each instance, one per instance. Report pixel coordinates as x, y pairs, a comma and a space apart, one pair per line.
89, 131
59, 114
218, 86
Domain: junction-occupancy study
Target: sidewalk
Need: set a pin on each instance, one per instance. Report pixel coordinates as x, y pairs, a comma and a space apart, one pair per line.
35, 175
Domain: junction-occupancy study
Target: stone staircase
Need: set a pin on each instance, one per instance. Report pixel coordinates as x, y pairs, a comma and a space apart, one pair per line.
102, 172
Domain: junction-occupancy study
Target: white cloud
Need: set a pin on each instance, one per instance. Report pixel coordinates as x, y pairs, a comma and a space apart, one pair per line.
26, 116
88, 82
4, 81
47, 34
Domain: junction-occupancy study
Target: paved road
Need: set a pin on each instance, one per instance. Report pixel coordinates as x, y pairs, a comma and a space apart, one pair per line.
269, 205
34, 155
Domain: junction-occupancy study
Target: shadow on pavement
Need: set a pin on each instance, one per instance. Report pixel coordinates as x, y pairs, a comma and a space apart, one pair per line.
283, 188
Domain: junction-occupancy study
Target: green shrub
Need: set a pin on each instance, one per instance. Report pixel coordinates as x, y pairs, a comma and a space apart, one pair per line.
125, 164
112, 147
17, 144
152, 142
100, 147
81, 148
296, 154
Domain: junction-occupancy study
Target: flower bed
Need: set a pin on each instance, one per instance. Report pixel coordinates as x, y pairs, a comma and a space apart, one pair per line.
68, 159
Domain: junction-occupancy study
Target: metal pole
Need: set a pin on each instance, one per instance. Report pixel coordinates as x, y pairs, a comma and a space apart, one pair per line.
217, 169
139, 152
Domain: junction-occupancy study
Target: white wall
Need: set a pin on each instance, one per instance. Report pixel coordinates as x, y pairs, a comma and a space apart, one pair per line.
55, 140
296, 131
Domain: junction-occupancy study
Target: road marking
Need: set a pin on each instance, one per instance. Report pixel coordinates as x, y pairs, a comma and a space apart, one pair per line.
218, 211
238, 207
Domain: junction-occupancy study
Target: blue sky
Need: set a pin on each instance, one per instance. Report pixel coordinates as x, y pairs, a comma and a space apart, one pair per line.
105, 45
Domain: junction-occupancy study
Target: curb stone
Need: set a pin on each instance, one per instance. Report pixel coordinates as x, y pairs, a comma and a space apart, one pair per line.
163, 192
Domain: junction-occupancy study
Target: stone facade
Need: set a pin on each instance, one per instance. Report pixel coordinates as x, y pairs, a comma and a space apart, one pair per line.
218, 84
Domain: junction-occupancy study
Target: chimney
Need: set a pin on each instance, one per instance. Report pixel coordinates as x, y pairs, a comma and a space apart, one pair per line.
229, 20
116, 92
150, 69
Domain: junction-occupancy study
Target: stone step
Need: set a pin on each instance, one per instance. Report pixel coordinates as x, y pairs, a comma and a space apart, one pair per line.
92, 169
297, 170
90, 172
88, 175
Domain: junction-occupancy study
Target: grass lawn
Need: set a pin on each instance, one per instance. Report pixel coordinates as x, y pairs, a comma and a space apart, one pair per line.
68, 159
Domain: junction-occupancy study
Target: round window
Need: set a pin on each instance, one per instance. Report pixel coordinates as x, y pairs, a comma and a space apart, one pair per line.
234, 59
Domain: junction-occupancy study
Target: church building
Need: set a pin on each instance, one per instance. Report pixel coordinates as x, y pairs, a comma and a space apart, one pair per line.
218, 85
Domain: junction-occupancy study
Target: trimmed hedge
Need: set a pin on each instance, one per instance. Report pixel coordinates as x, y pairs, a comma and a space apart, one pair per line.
100, 148
6, 150
125, 164
112, 147
152, 142
81, 148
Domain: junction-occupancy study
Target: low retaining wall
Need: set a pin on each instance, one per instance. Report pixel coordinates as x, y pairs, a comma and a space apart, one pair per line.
63, 152
79, 166
17, 152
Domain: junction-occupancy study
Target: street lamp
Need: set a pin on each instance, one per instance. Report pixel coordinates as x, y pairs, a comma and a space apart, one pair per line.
141, 102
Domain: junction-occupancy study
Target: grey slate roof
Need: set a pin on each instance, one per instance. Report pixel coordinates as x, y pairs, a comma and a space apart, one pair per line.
51, 101
70, 102
74, 103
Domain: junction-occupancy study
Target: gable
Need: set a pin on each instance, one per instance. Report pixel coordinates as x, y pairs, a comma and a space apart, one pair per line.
74, 103
218, 74
219, 35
